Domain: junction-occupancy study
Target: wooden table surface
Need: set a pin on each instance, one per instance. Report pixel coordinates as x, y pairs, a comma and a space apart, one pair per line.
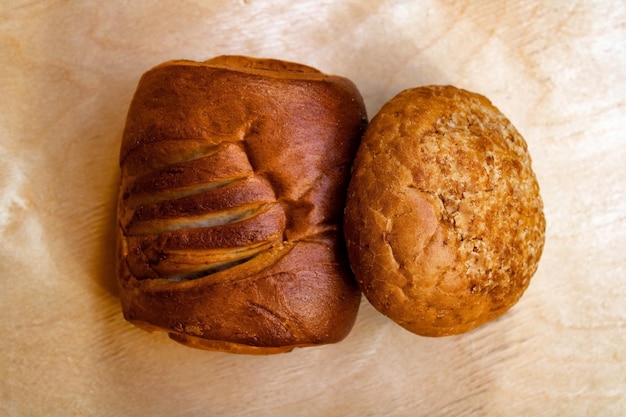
68, 71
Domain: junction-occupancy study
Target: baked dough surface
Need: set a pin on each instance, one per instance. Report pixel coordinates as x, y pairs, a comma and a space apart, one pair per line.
444, 221
234, 174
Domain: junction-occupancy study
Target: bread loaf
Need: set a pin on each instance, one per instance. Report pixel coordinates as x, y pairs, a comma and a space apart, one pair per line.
233, 181
444, 222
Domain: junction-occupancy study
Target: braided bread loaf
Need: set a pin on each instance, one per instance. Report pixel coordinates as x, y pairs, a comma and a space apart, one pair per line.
234, 173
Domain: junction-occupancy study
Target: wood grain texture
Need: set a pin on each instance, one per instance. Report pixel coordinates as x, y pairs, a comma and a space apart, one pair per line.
69, 69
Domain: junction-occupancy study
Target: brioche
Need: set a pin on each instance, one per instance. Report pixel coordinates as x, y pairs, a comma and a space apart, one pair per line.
233, 181
444, 222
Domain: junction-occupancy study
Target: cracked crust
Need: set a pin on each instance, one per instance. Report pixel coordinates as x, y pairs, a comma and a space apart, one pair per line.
444, 222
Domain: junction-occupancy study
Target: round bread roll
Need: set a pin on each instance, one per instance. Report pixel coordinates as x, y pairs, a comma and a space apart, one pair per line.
444, 222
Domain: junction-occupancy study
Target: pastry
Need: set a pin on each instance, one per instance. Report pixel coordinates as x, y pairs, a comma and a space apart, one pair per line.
233, 181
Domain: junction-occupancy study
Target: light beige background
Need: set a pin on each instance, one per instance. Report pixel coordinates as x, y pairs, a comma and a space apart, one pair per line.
68, 70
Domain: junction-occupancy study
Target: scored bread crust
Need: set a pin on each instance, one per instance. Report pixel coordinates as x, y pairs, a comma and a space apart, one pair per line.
233, 180
444, 222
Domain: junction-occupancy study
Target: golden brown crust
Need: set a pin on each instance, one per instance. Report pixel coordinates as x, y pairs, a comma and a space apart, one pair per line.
234, 174
444, 222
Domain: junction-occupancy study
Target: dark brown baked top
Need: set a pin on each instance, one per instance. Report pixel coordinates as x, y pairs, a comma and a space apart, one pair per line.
234, 177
